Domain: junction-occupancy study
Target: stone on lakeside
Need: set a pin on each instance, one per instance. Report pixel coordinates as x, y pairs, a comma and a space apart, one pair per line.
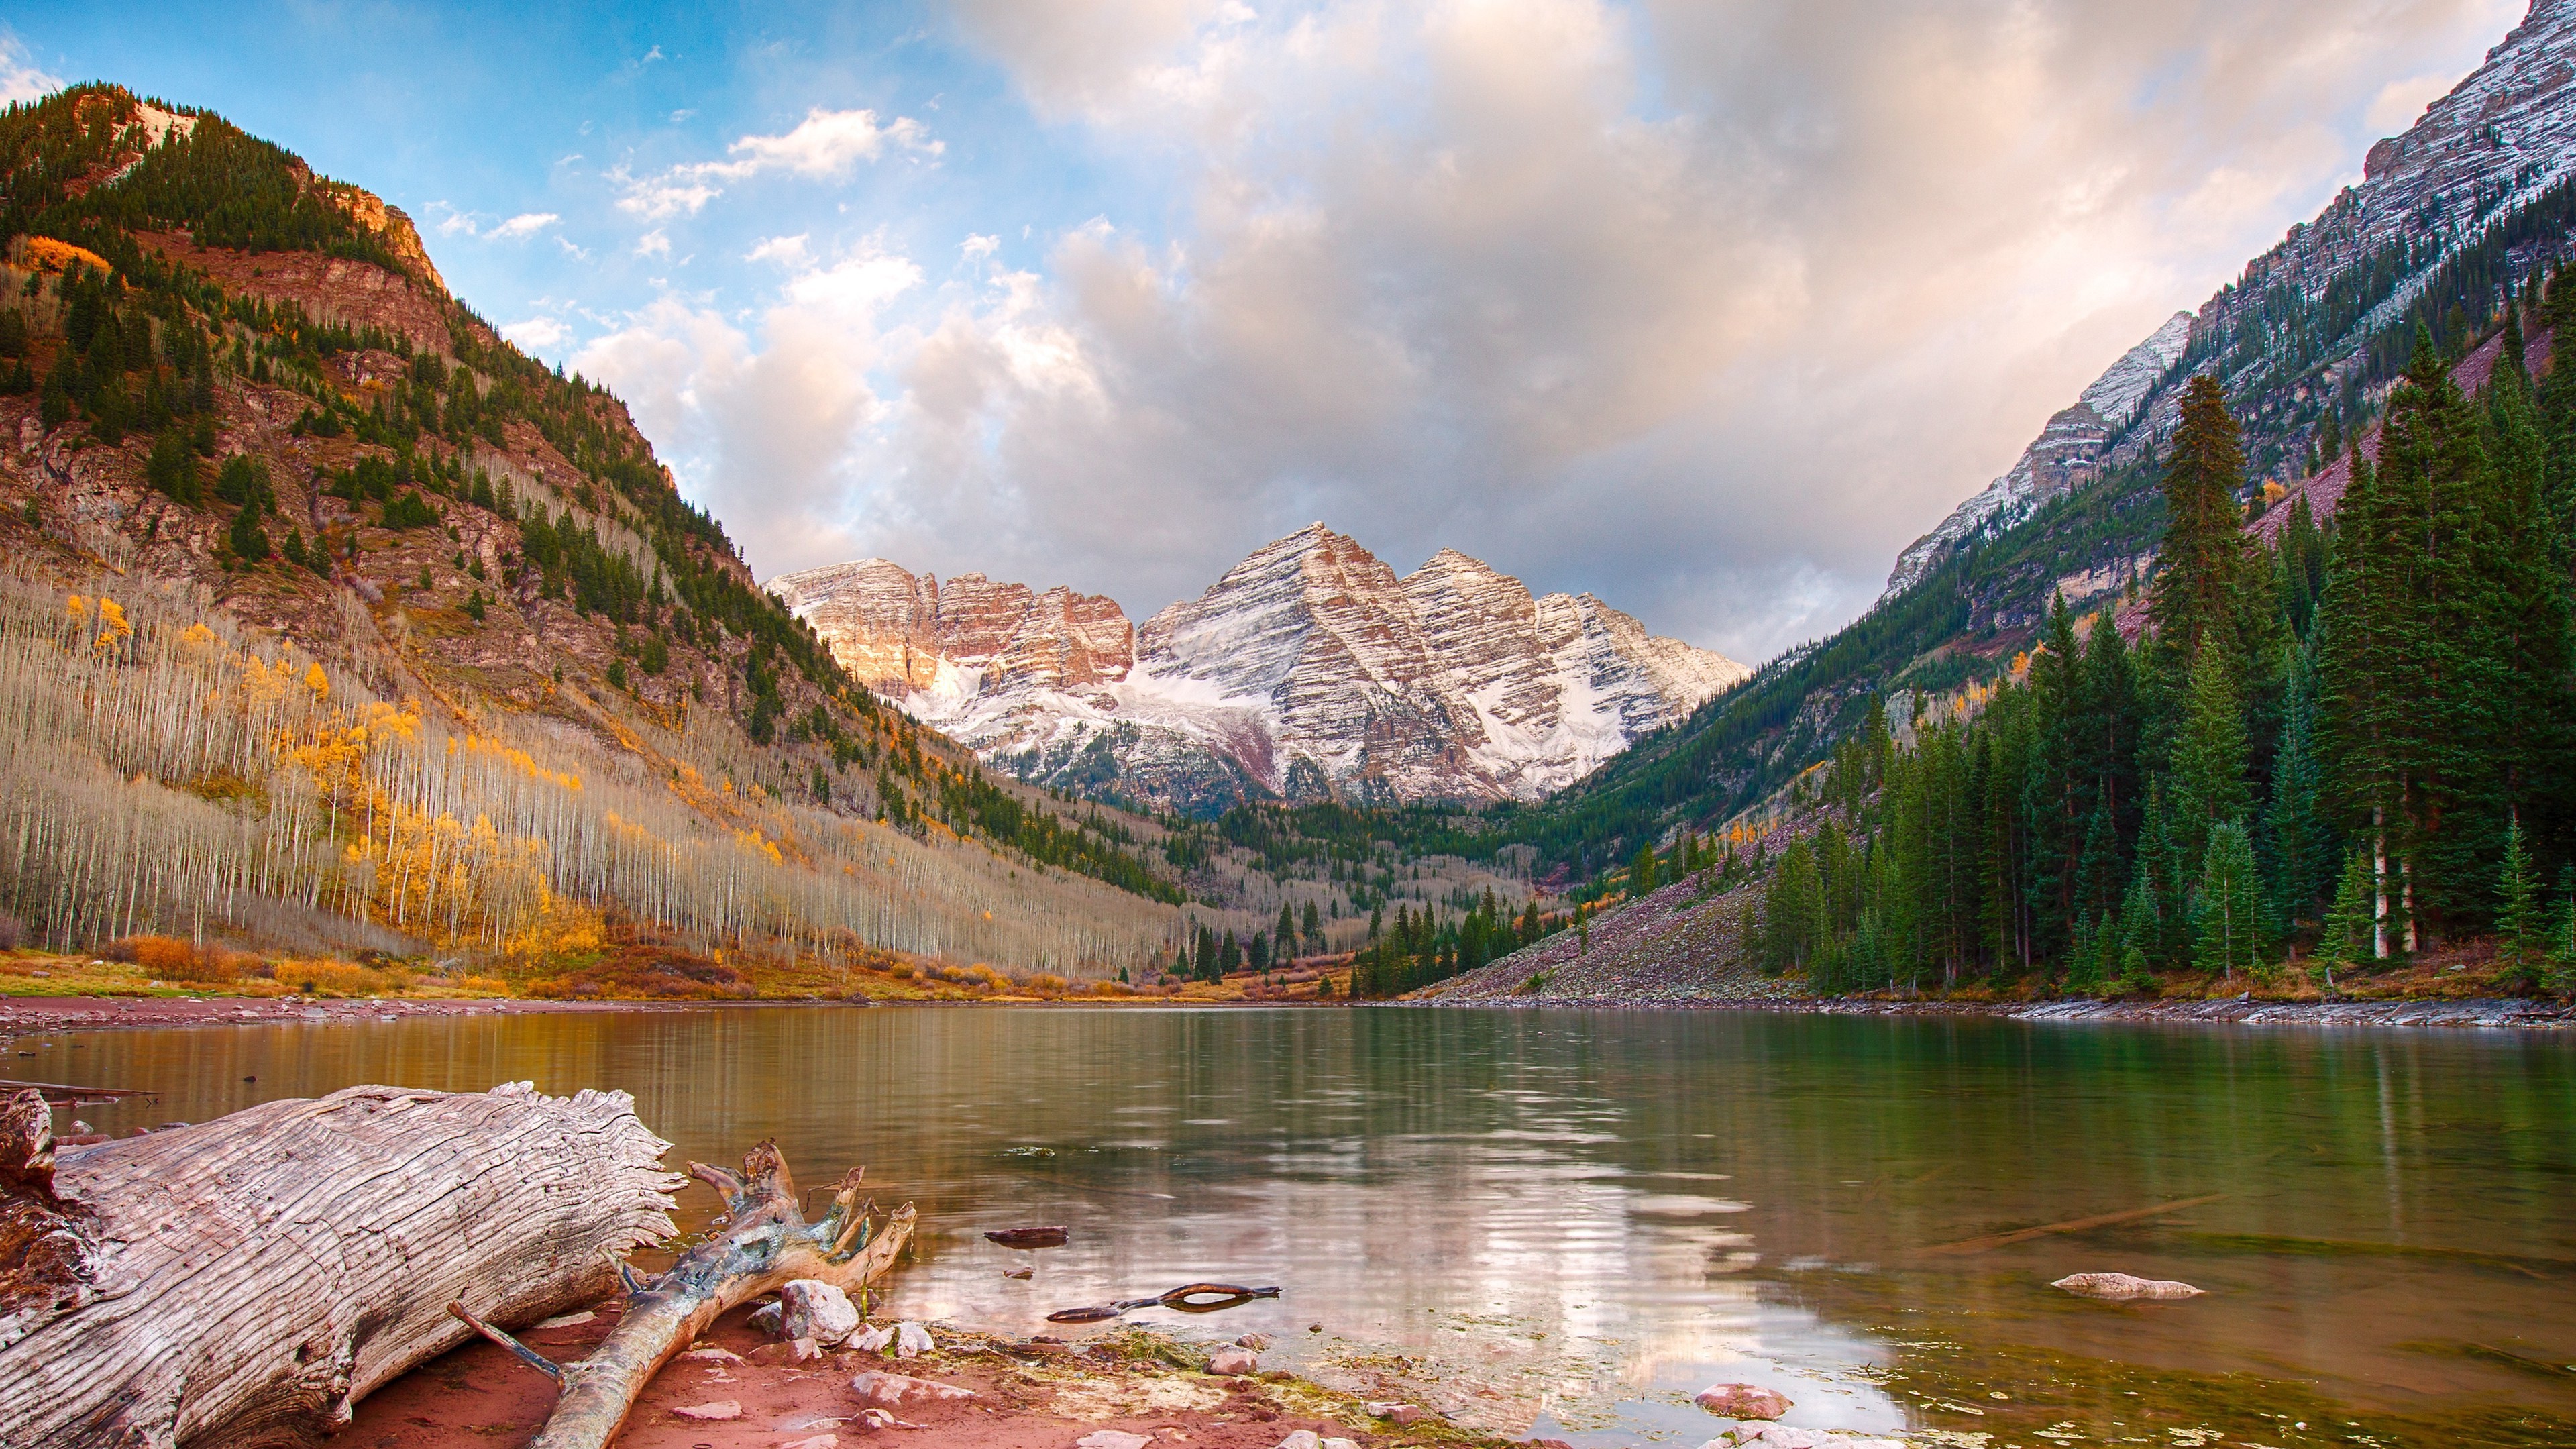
911, 1340
816, 1441
717, 1412
1743, 1401
1112, 1439
1302, 1439
1391, 1411
1232, 1360
872, 1340
812, 1308
2120, 1287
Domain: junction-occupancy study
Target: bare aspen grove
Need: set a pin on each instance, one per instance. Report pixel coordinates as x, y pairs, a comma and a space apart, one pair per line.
161, 771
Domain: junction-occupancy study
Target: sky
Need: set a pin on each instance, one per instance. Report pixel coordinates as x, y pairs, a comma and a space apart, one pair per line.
1707, 307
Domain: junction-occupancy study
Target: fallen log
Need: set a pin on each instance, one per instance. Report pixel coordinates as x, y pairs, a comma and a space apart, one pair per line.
764, 1245
245, 1282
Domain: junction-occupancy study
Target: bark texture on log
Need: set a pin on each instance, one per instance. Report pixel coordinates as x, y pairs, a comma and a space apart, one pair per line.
246, 1281
765, 1245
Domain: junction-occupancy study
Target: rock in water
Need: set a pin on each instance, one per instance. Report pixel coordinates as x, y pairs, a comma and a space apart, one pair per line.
2120, 1287
1742, 1401
810, 1308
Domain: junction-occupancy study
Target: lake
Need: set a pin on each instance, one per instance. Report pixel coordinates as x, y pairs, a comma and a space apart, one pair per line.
1569, 1221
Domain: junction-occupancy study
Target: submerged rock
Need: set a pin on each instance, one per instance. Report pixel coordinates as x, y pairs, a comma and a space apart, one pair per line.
1743, 1401
2120, 1287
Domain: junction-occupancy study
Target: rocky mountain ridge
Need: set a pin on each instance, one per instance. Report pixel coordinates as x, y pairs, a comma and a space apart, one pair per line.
2469, 198
1309, 671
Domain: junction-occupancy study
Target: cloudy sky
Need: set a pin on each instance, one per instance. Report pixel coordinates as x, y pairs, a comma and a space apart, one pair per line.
1706, 306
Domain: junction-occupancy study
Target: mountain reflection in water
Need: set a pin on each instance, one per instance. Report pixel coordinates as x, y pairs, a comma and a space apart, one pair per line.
1566, 1222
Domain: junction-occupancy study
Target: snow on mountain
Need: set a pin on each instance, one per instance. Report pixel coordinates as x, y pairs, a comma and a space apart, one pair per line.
2292, 336
1310, 670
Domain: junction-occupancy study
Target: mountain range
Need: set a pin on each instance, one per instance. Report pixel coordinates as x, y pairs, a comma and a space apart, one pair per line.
1310, 671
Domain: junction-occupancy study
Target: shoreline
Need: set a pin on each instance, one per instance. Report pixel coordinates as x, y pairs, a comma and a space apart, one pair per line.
28, 1015
1142, 1385
2482, 1011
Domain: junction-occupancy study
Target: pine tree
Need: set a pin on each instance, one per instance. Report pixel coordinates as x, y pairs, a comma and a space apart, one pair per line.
2295, 847
2140, 941
2204, 544
1641, 872
2349, 926
2230, 904
2521, 947
2209, 751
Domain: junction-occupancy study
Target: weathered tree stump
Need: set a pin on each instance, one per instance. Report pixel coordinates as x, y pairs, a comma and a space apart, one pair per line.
764, 1245
245, 1282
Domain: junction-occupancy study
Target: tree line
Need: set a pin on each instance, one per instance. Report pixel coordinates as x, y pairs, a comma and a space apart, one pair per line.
2357, 743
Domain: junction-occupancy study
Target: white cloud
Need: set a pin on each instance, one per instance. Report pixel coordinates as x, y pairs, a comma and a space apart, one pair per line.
21, 79
788, 251
826, 143
654, 243
1708, 309
773, 438
526, 224
537, 333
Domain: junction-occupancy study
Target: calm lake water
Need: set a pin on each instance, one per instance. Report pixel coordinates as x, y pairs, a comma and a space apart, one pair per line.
1572, 1220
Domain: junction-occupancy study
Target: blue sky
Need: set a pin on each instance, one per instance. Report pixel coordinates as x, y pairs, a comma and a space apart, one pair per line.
1705, 306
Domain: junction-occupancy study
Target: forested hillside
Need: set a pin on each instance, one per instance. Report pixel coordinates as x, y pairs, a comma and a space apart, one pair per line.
331, 618
2357, 742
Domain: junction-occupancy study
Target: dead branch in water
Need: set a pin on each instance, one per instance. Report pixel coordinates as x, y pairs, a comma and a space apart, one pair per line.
766, 1245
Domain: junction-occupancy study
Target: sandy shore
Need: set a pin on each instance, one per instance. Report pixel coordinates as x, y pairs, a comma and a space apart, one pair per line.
1025, 1396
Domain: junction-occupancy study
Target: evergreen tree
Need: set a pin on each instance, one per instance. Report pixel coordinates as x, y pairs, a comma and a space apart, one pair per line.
2346, 940
2209, 751
2521, 945
2204, 544
2230, 904
1641, 872
2295, 847
2140, 941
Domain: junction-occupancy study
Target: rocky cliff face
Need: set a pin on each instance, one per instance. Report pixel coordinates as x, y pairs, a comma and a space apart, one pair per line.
1310, 670
2476, 194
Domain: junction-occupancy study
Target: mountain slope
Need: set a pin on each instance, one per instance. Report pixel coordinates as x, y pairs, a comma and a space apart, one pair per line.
516, 692
1309, 671
2479, 195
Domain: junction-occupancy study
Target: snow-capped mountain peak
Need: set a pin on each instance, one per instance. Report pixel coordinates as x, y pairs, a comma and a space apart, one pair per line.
1309, 669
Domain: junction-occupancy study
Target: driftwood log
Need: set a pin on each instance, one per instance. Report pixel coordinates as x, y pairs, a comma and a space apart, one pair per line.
763, 1243
246, 1281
